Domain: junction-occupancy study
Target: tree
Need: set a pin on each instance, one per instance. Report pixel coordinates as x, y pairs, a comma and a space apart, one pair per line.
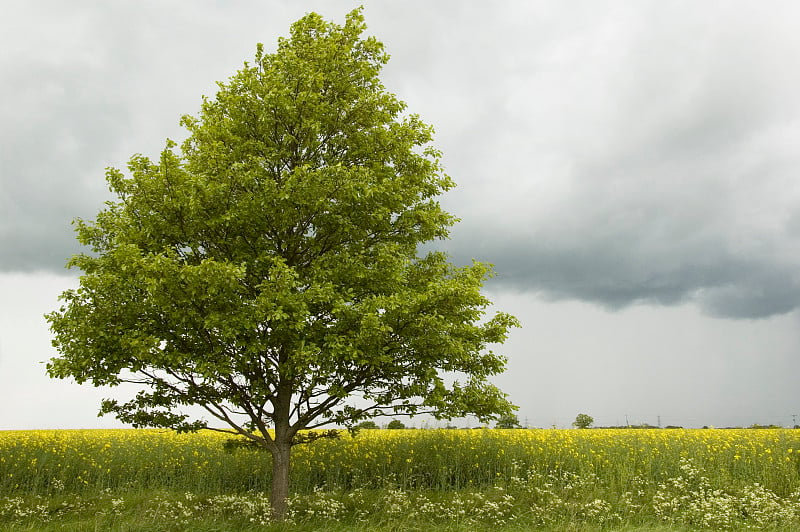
508, 421
396, 424
268, 268
583, 421
367, 424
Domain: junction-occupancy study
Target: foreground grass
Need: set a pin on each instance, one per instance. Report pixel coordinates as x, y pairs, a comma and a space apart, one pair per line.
374, 511
627, 480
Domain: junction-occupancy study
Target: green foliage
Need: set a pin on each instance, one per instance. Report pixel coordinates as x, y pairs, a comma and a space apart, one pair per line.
395, 424
368, 424
583, 421
508, 421
268, 268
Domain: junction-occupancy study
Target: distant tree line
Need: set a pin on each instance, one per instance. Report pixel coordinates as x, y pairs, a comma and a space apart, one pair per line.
582, 421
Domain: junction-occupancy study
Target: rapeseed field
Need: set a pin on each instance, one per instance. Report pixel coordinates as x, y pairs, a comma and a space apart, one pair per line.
701, 479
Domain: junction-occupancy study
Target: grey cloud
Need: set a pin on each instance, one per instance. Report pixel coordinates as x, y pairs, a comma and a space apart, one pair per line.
89, 84
52, 141
619, 154
650, 161
764, 290
616, 273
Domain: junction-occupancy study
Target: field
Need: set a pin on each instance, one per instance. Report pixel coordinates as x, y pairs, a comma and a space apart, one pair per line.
669, 479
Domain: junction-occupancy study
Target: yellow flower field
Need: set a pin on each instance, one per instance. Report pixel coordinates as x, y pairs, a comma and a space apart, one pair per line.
703, 479
30, 461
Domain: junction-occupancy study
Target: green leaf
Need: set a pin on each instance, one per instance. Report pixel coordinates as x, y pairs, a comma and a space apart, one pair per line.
269, 268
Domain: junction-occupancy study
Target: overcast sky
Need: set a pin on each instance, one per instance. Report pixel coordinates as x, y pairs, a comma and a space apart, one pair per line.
631, 169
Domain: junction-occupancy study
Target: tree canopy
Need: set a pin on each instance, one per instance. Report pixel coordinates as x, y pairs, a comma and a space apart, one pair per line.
268, 268
583, 421
508, 421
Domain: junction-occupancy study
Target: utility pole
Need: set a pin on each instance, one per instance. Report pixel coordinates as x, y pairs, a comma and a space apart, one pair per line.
659, 421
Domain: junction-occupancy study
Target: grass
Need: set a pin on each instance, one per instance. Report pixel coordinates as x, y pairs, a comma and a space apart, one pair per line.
153, 511
406, 480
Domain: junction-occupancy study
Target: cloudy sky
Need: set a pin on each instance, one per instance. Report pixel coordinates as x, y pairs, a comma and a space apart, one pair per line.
631, 169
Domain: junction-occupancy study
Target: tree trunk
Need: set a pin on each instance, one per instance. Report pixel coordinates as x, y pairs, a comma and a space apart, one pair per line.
278, 498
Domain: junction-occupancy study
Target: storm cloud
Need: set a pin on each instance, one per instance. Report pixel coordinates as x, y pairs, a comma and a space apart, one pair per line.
620, 154
647, 155
86, 86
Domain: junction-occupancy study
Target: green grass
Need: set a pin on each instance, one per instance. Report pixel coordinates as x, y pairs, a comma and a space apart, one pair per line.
155, 511
407, 480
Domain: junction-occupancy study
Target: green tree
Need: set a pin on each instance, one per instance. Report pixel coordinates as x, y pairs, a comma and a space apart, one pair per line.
396, 424
367, 424
583, 421
508, 421
268, 269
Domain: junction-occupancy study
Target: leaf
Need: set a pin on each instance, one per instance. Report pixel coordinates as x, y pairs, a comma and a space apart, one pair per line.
269, 268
